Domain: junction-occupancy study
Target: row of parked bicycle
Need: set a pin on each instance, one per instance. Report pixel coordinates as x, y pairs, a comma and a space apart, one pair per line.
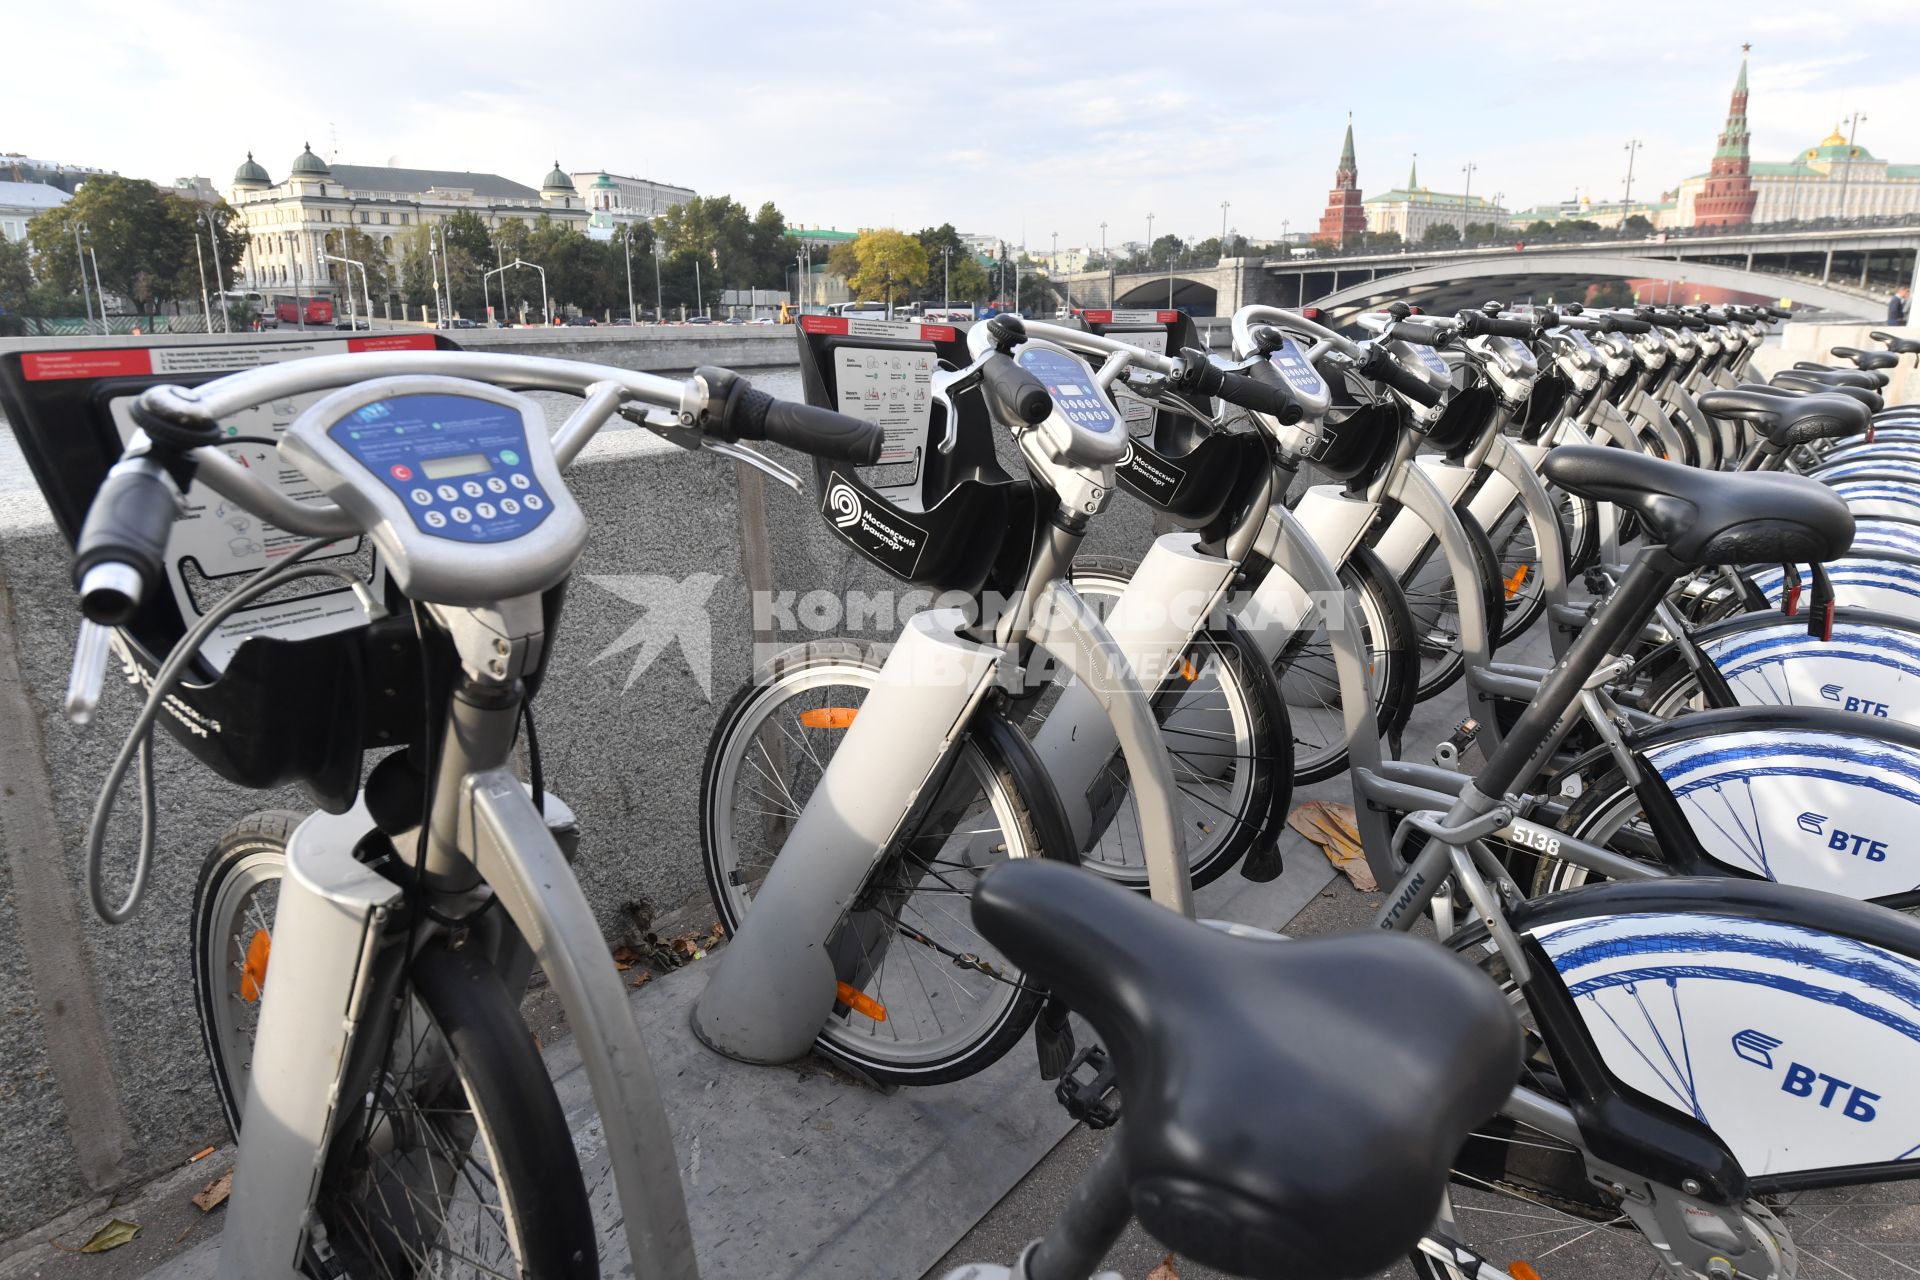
922, 850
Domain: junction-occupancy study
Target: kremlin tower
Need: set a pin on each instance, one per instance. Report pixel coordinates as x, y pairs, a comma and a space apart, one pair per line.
1728, 198
1344, 216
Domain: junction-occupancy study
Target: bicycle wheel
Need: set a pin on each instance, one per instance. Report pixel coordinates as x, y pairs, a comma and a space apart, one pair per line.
460, 1162
1609, 814
457, 1160
925, 999
1225, 729
1310, 685
1433, 601
233, 906
1516, 549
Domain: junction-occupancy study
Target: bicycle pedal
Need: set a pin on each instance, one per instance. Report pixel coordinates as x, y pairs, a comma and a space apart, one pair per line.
1087, 1099
1448, 753
1053, 1039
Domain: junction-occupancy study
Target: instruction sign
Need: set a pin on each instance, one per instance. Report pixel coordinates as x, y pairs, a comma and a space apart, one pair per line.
215, 544
891, 389
1135, 412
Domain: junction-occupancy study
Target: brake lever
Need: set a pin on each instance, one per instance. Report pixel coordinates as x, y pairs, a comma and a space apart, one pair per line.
758, 461
943, 396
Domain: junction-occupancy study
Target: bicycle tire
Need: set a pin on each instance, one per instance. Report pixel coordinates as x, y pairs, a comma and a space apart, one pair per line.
1263, 751
1439, 676
227, 978
546, 1216
995, 753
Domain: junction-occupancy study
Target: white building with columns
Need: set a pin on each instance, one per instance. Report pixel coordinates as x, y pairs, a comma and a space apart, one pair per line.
1830, 179
288, 222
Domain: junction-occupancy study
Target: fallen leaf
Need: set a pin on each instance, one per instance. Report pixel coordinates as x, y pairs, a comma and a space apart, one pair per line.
625, 957
215, 1193
1165, 1271
111, 1236
643, 978
1332, 827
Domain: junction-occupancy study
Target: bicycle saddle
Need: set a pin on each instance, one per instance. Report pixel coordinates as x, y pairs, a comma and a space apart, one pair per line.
1792, 383
1868, 359
1713, 517
1790, 419
1899, 346
1291, 1107
1870, 379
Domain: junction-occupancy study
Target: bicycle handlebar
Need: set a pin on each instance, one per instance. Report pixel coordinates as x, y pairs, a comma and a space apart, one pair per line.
1379, 365
1200, 376
1478, 324
121, 552
1016, 394
1425, 333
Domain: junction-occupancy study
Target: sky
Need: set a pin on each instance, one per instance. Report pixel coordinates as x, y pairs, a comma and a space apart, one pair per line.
1009, 119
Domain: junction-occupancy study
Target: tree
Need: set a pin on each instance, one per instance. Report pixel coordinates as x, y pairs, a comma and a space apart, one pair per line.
1539, 229
1479, 232
143, 239
351, 242
970, 281
1378, 240
889, 263
1637, 225
1580, 226
1440, 233
936, 241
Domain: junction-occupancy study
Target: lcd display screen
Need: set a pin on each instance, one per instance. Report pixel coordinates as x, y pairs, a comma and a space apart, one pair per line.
462, 464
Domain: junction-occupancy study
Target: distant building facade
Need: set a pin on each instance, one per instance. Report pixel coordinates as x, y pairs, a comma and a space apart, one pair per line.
15, 167
615, 200
1408, 211
1345, 216
22, 202
288, 222
1832, 178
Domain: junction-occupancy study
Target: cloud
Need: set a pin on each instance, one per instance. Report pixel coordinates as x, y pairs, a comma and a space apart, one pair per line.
1057, 118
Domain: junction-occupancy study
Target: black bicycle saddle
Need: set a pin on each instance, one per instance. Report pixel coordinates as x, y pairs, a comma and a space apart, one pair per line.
1712, 517
1292, 1108
1787, 420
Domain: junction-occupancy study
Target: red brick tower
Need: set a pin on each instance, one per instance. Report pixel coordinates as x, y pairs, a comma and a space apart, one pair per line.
1344, 216
1728, 198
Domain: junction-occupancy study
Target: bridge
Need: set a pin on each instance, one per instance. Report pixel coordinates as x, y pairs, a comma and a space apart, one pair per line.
1843, 273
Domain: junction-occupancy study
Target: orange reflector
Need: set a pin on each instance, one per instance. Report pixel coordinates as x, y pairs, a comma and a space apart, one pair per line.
1522, 1270
860, 1002
1188, 671
1513, 583
253, 975
829, 717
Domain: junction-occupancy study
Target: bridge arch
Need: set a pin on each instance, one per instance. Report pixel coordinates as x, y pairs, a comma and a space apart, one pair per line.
1197, 296
1450, 285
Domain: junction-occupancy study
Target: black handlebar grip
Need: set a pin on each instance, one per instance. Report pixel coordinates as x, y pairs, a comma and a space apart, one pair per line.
1480, 324
822, 432
1780, 313
1197, 374
1261, 397
1014, 394
127, 524
1384, 369
1425, 333
1630, 324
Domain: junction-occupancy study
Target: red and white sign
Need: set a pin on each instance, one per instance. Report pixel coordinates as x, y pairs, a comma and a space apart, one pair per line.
862, 327
159, 361
1130, 317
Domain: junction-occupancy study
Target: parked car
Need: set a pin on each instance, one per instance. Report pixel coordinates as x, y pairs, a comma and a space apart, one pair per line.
699, 319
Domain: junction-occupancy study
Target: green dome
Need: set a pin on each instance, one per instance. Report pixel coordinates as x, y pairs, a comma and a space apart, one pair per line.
251, 174
1834, 147
308, 163
604, 183
557, 180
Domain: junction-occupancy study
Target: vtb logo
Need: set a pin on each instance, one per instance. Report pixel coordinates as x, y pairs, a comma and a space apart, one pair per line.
1848, 702
1802, 1081
1852, 842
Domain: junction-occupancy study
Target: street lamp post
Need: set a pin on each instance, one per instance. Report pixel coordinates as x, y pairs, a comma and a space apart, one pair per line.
1626, 197
433, 265
366, 292
1149, 238
946, 272
86, 294
1466, 196
545, 314
626, 240
220, 275
659, 299
1224, 206
200, 261
1846, 174
699, 298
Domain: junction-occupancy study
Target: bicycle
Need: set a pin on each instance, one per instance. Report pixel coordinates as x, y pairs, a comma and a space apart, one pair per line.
418, 1133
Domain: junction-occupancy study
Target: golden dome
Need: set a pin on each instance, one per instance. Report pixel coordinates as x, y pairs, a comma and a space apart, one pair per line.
1834, 139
